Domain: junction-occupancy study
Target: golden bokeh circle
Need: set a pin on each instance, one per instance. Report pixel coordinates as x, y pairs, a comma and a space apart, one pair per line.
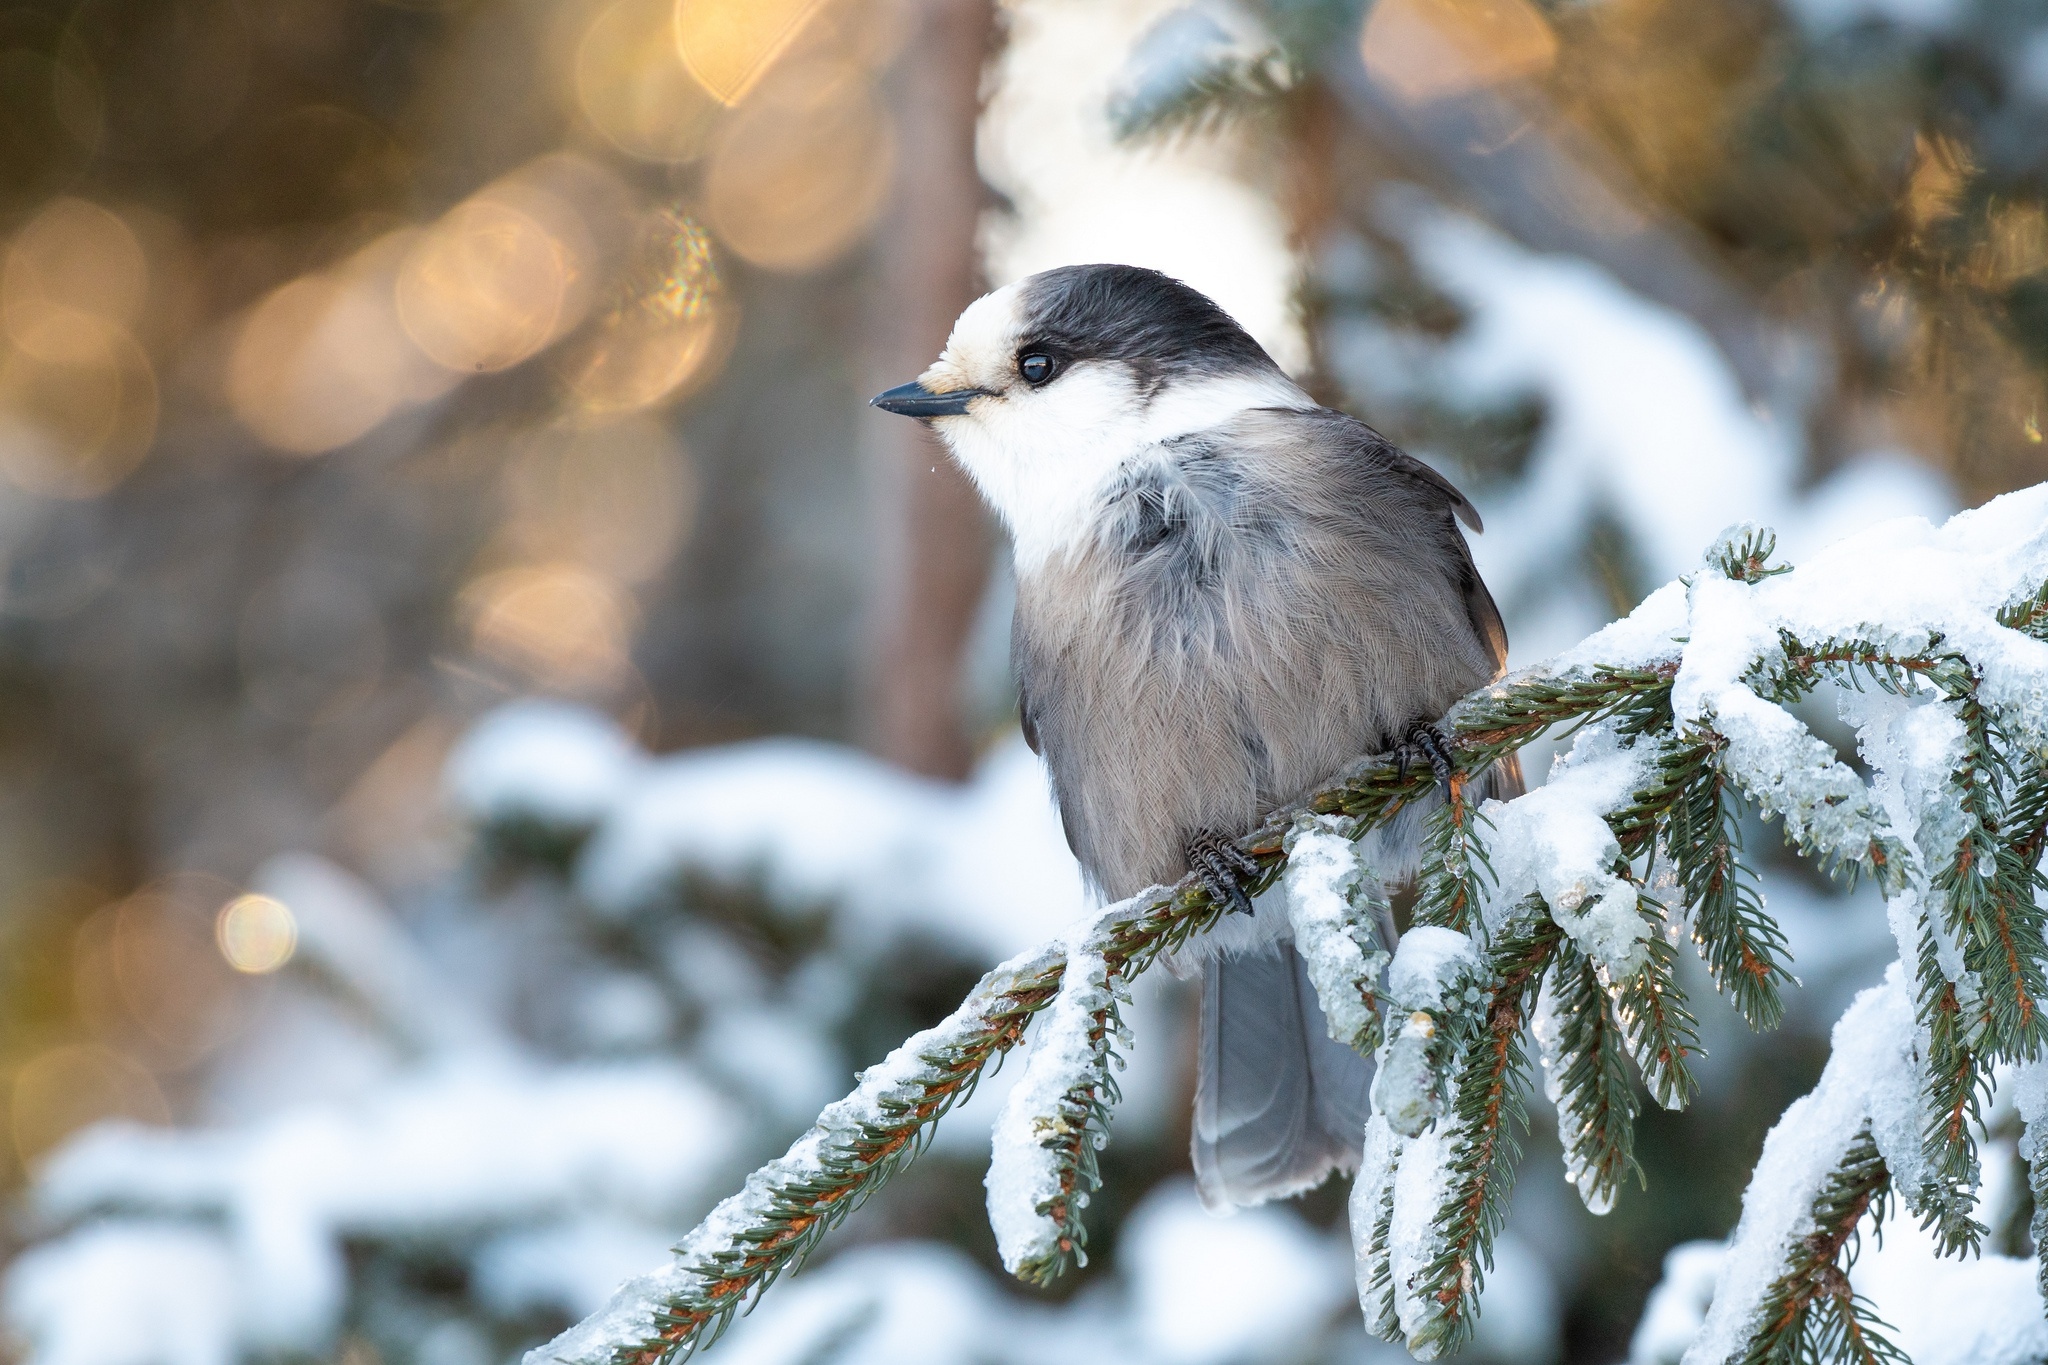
74, 254
256, 934
66, 1088
484, 288
793, 183
560, 624
78, 399
636, 357
320, 361
634, 89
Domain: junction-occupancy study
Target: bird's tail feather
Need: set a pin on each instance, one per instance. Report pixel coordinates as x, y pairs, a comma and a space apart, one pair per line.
1279, 1104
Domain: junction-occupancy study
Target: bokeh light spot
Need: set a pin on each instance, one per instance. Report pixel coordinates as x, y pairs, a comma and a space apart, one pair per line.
74, 254
632, 86
484, 288
257, 934
322, 360
668, 330
78, 402
150, 978
1424, 50
691, 275
560, 624
64, 1089
728, 45
635, 358
794, 182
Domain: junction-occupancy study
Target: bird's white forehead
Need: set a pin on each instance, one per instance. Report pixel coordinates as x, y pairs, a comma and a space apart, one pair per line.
983, 339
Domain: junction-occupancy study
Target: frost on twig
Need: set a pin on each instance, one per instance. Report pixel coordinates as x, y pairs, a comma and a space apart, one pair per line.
1337, 909
1433, 981
1052, 1124
1539, 911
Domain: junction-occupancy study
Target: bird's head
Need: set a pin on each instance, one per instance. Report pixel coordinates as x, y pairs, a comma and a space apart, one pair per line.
1047, 387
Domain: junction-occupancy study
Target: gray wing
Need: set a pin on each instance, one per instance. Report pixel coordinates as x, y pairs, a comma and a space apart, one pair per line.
1389, 496
1377, 452
1410, 467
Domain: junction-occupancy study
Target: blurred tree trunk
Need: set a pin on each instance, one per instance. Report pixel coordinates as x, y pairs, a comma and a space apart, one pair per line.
935, 539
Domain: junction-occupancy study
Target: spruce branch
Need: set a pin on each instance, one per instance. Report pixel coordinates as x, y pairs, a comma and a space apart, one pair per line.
1372, 1223
2028, 615
1988, 884
1811, 1315
1195, 69
788, 1206
1202, 99
1656, 1021
1062, 1108
1584, 1046
1743, 553
1503, 718
1988, 894
1742, 946
1493, 1078
1336, 907
1956, 1086
1455, 866
2030, 1097
1782, 1292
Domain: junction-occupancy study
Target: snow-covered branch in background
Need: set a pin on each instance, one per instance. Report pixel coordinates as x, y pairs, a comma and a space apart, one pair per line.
1680, 717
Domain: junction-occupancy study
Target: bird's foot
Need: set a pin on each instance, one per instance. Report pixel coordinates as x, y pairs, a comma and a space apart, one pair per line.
1224, 868
1426, 740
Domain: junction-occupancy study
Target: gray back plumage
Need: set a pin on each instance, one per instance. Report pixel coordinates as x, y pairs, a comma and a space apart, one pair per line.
1259, 604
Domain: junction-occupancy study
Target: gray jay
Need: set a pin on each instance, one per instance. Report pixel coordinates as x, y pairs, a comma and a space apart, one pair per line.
1225, 593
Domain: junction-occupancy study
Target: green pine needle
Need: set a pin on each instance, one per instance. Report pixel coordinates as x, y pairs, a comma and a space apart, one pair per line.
1811, 1315
1741, 944
1596, 1105
1493, 1081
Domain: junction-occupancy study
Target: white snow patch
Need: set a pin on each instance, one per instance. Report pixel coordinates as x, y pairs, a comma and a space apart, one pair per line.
551, 762
126, 1292
1206, 1290
985, 865
1678, 1305
1873, 1039
568, 1267
1081, 196
1421, 1184
1024, 1169
900, 1303
460, 1145
1555, 842
1334, 904
1431, 968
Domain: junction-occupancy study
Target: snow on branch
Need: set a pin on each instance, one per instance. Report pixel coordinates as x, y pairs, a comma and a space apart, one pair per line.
1543, 915
1823, 1168
1052, 1125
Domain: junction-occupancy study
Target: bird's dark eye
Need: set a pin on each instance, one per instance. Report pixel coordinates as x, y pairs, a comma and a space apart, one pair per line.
1036, 367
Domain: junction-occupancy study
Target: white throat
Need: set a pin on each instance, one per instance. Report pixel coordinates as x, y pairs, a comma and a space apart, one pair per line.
1044, 459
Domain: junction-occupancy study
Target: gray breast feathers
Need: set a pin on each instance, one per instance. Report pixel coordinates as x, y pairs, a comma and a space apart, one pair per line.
1256, 605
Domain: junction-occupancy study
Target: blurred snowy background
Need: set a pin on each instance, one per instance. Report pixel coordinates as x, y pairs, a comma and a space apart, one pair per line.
497, 734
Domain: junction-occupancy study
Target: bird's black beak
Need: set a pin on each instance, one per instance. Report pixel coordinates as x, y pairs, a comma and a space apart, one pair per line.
915, 400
